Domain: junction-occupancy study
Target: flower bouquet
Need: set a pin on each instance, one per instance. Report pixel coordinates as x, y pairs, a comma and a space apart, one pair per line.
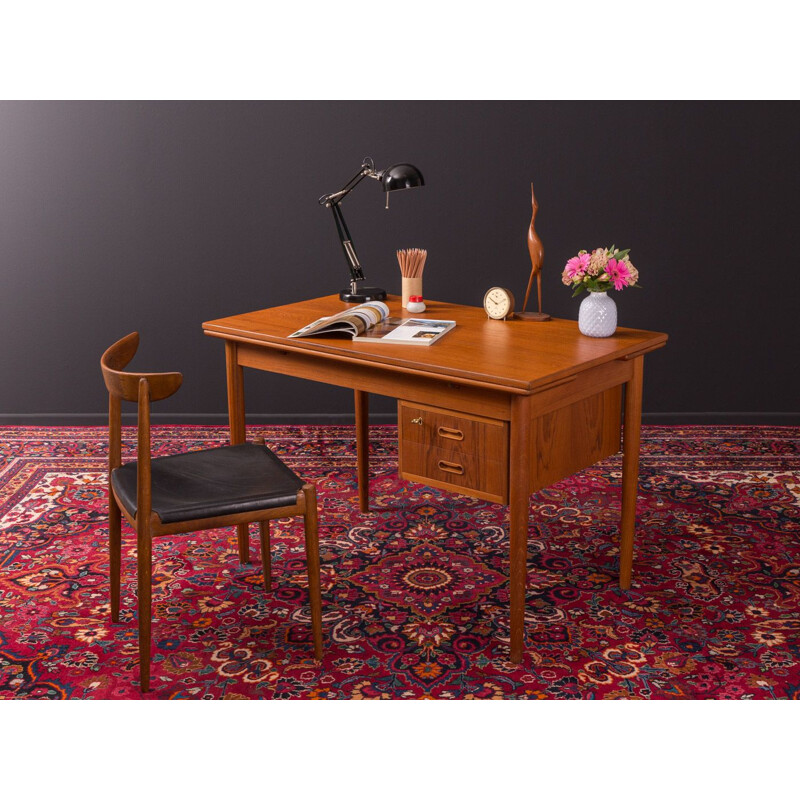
597, 272
603, 269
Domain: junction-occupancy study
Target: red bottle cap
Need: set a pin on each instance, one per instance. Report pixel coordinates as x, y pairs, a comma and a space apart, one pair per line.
415, 298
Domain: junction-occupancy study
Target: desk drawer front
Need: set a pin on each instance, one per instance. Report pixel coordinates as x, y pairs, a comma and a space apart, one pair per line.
452, 451
456, 433
459, 472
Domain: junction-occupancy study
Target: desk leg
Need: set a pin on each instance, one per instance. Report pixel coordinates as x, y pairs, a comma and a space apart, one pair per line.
519, 484
235, 376
630, 471
362, 447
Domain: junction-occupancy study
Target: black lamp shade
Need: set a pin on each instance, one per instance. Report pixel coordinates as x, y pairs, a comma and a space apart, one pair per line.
401, 176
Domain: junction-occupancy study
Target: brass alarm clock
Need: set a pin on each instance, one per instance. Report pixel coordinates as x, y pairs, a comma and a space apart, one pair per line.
498, 303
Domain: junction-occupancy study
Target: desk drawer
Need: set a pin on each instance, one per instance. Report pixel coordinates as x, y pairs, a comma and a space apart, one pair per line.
458, 472
463, 453
458, 433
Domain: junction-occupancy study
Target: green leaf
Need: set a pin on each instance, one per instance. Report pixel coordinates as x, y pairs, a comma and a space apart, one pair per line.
621, 254
578, 290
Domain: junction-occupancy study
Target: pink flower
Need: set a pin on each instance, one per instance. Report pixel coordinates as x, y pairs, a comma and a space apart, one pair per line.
576, 267
618, 273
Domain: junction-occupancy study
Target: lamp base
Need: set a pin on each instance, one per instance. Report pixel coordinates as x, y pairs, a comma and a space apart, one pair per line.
363, 295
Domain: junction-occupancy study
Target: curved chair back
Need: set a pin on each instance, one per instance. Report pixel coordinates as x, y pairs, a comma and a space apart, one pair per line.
140, 388
125, 385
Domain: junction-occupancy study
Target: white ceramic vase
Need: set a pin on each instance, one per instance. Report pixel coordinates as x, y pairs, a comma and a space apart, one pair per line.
597, 315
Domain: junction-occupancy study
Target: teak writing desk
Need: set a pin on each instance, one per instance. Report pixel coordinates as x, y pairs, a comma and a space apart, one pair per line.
496, 410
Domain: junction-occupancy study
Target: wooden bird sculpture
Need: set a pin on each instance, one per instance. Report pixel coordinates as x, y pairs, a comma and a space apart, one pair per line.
536, 251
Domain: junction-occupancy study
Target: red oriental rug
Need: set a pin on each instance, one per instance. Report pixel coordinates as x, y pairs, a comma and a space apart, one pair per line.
415, 594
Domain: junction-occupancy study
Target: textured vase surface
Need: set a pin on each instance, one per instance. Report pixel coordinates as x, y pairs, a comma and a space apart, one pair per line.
597, 315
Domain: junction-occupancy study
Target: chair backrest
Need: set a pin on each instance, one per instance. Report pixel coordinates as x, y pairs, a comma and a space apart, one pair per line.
125, 385
140, 388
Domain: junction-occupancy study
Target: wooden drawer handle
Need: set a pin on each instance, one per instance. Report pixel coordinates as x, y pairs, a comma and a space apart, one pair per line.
447, 466
416, 421
450, 433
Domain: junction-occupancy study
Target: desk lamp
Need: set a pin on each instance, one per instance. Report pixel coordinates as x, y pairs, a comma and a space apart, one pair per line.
399, 176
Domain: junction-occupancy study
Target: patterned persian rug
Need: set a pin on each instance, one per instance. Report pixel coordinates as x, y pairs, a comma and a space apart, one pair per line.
415, 593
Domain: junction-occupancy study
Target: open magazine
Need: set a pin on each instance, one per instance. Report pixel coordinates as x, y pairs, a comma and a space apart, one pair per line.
371, 322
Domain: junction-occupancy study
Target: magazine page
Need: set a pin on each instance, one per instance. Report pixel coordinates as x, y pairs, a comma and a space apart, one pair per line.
351, 321
395, 330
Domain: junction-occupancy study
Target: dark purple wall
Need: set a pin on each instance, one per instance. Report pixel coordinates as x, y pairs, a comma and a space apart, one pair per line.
156, 216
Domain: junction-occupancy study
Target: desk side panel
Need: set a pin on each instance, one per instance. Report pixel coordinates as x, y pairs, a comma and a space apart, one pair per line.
575, 436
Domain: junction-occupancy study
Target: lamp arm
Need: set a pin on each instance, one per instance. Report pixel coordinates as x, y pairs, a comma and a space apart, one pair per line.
367, 171
333, 202
356, 273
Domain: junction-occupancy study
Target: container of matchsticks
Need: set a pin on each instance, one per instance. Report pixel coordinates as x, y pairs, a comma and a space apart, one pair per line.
412, 262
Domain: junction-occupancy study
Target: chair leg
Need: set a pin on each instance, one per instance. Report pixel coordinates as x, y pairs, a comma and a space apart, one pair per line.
144, 581
243, 540
266, 555
312, 565
114, 553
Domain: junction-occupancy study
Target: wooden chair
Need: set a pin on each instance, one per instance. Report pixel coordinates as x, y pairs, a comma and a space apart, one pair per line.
193, 491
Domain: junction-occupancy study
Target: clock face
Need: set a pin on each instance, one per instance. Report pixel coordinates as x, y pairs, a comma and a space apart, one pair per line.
498, 303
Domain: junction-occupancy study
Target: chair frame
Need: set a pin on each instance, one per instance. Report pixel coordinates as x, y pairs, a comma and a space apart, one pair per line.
144, 388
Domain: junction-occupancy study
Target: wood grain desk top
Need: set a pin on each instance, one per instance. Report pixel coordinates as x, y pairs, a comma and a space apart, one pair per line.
516, 355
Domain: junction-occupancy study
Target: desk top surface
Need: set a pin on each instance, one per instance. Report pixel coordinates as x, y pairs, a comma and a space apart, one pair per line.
516, 354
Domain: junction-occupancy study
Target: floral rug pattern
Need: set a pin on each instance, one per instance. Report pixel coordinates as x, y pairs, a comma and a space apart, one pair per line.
415, 593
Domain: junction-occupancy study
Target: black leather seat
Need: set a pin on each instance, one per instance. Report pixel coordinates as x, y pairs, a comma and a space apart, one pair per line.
211, 483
